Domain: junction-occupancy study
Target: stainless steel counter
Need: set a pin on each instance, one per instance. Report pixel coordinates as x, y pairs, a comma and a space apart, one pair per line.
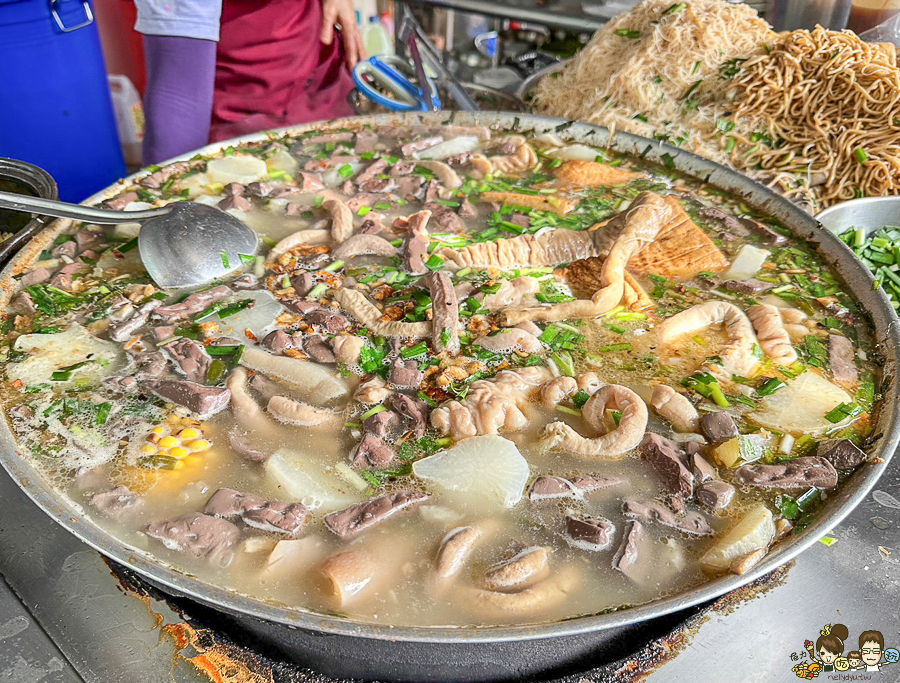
70, 620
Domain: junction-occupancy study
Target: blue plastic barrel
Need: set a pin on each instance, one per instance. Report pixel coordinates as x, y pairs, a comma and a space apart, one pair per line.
55, 106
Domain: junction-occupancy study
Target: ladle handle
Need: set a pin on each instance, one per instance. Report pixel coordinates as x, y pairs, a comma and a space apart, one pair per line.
50, 207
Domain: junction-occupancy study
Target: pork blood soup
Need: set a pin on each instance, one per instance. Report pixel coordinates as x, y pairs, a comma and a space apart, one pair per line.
473, 377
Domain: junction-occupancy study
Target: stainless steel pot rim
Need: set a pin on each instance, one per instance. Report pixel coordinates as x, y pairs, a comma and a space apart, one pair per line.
887, 332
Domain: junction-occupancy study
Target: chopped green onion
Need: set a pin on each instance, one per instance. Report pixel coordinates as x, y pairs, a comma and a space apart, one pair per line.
770, 386
413, 351
345, 171
215, 372
628, 33
860, 155
317, 291
103, 413
372, 411
843, 412
226, 263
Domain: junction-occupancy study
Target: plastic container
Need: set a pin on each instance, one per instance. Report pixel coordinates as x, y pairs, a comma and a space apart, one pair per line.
376, 39
866, 14
58, 113
129, 113
790, 15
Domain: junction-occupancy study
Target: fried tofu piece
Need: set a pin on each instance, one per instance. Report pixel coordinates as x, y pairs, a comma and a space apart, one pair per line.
681, 250
540, 202
593, 174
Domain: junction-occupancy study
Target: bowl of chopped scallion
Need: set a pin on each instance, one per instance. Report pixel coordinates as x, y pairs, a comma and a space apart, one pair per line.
871, 228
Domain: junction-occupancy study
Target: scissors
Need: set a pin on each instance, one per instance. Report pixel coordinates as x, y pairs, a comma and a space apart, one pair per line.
387, 81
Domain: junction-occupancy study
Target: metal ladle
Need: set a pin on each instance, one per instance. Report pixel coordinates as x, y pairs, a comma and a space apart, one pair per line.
181, 245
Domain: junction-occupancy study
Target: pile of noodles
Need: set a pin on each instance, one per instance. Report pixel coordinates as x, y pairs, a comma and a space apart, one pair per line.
813, 113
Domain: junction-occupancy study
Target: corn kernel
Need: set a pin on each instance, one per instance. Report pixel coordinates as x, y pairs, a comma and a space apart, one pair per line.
178, 452
148, 449
199, 445
188, 434
173, 418
159, 430
168, 442
179, 465
186, 422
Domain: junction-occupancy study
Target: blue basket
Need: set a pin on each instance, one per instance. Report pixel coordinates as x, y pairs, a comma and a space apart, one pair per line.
55, 107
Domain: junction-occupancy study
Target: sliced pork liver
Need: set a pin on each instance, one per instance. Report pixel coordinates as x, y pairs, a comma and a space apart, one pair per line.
629, 556
549, 487
190, 358
841, 358
841, 453
719, 426
266, 515
195, 303
413, 413
122, 331
244, 446
315, 346
383, 425
653, 511
589, 533
445, 314
277, 341
664, 455
793, 474
715, 494
199, 399
372, 452
701, 468
117, 502
357, 518
405, 374
196, 534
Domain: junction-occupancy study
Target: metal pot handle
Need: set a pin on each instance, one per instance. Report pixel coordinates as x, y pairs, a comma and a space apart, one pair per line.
68, 29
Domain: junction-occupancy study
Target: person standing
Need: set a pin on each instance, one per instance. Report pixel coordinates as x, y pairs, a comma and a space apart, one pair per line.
277, 63
281, 62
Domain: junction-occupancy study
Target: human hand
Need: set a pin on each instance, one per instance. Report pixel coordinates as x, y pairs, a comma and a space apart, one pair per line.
342, 12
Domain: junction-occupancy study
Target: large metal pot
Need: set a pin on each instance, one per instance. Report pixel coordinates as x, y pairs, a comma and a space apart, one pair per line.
343, 647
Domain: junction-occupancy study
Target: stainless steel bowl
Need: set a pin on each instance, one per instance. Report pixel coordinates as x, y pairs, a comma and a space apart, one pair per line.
342, 646
870, 214
42, 185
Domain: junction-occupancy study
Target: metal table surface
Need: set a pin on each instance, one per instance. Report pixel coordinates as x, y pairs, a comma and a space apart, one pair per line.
68, 619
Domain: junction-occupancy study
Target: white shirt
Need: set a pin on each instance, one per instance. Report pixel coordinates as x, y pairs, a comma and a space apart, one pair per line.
873, 667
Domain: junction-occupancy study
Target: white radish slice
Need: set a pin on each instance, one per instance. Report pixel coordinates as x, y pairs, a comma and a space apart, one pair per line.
575, 153
747, 263
481, 471
801, 406
52, 352
303, 478
282, 160
753, 532
259, 318
450, 148
237, 169
311, 381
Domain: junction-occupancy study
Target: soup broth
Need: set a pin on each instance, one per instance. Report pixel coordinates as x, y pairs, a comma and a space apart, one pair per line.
473, 377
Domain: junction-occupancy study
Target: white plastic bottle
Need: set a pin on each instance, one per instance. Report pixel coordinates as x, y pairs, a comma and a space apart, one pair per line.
376, 39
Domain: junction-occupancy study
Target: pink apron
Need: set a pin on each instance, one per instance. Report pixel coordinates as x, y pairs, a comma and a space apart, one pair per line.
272, 70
